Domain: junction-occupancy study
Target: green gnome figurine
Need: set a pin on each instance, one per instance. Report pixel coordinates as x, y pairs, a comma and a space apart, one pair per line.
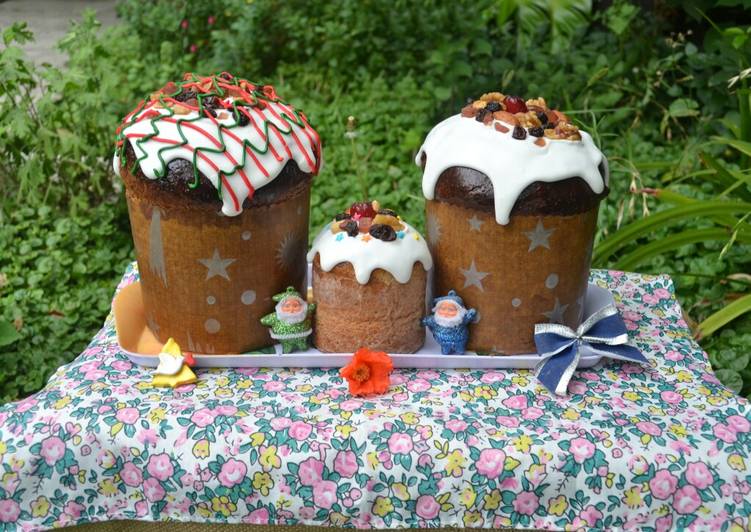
290, 322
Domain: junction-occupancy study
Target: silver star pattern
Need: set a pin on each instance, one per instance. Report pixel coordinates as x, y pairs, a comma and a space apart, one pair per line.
556, 315
216, 265
539, 237
434, 229
472, 277
475, 223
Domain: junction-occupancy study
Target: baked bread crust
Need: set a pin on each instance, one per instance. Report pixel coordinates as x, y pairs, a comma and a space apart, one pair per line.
383, 315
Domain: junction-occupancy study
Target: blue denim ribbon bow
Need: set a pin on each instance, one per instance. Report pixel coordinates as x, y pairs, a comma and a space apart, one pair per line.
559, 346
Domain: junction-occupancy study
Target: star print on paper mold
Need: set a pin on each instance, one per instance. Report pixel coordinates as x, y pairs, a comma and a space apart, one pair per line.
472, 277
217, 266
433, 227
475, 224
289, 252
556, 315
539, 236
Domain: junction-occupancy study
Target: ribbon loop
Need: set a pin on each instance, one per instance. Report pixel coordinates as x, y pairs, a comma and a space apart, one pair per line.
559, 346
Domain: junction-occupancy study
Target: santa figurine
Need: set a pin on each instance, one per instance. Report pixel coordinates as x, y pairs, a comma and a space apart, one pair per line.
290, 322
449, 321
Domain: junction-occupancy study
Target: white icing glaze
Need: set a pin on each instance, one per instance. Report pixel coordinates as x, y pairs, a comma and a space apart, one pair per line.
234, 189
510, 164
397, 257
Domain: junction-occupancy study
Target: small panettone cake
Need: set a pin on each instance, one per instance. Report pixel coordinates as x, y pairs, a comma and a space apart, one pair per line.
217, 173
370, 273
512, 190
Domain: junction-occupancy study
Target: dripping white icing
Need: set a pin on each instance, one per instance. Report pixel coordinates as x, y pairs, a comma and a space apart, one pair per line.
397, 257
510, 164
222, 148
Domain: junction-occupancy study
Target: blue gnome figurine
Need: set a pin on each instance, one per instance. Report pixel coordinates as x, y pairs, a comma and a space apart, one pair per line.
449, 321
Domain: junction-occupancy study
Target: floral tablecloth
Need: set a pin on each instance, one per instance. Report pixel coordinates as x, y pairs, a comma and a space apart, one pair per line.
631, 447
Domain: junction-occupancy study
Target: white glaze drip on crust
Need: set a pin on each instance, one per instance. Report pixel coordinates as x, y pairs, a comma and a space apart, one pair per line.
397, 257
222, 147
510, 164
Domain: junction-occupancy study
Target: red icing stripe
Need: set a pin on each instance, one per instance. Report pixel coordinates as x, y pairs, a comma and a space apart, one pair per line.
218, 144
248, 150
311, 163
208, 161
276, 132
314, 142
260, 132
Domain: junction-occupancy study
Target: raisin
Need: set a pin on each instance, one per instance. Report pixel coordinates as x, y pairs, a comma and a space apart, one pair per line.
350, 226
493, 107
341, 216
382, 232
481, 115
536, 131
542, 117
519, 133
241, 118
184, 96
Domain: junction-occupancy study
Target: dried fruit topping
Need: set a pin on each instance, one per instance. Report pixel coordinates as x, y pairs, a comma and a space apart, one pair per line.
493, 107
519, 133
364, 223
368, 218
362, 209
534, 116
388, 219
185, 95
241, 118
350, 226
468, 111
382, 232
514, 104
536, 131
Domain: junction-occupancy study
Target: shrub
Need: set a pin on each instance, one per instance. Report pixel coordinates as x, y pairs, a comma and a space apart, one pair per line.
58, 277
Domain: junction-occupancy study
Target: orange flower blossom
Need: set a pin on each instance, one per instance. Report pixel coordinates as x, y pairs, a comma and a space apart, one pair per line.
368, 372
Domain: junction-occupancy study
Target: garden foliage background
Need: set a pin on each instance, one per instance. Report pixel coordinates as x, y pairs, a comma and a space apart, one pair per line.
650, 80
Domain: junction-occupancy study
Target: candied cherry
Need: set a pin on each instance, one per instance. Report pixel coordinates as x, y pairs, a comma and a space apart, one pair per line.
362, 209
514, 104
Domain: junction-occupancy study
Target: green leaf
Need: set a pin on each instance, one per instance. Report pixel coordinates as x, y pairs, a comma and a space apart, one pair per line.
506, 9
643, 227
8, 333
724, 316
683, 107
657, 247
18, 32
730, 378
